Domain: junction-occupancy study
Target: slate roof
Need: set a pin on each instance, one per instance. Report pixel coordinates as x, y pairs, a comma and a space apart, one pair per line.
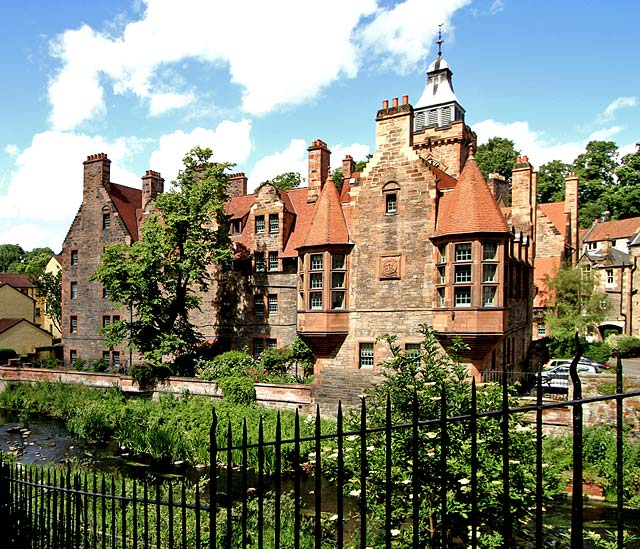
610, 258
17, 280
470, 207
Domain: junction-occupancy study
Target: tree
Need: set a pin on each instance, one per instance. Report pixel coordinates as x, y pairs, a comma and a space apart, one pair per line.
49, 286
35, 261
10, 255
551, 178
338, 178
625, 201
287, 181
158, 276
431, 376
578, 306
497, 155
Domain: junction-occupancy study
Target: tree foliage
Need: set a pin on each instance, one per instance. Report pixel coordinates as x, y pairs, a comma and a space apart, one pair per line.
158, 276
287, 181
551, 180
10, 255
497, 155
417, 384
578, 307
49, 286
13, 259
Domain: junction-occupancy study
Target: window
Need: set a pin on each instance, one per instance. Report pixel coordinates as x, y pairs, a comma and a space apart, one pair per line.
441, 296
542, 330
38, 312
73, 324
259, 262
488, 296
257, 346
73, 355
591, 246
106, 320
366, 355
272, 343
391, 203
106, 356
115, 318
315, 300
73, 290
463, 274
259, 224
412, 349
106, 221
235, 226
463, 252
74, 257
489, 251
258, 305
609, 283
105, 293
338, 281
462, 296
442, 253
273, 261
116, 358
316, 262
338, 262
316, 280
273, 304
274, 223
489, 272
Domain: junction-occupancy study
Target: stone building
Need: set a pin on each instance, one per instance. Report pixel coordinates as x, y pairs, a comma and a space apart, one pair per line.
416, 237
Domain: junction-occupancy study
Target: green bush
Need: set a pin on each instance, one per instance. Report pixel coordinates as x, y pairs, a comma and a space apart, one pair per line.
598, 351
276, 361
238, 390
100, 365
145, 375
626, 346
229, 364
79, 364
6, 354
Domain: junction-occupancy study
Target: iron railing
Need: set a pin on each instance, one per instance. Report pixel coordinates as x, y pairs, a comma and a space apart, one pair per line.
306, 492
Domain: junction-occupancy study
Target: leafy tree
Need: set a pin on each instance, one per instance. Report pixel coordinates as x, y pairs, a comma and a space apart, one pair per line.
551, 178
287, 181
628, 172
10, 255
49, 286
497, 156
578, 306
625, 201
429, 377
338, 178
158, 275
36, 260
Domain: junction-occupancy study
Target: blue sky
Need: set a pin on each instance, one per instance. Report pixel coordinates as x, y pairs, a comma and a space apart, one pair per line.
145, 80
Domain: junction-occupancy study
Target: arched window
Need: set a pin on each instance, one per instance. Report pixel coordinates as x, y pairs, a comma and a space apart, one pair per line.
391, 192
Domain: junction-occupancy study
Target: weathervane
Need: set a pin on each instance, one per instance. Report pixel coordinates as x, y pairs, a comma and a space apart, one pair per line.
440, 40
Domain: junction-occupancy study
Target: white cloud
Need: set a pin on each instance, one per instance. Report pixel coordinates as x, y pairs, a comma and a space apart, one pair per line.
295, 51
45, 186
529, 142
11, 150
621, 102
291, 159
403, 35
230, 142
605, 134
496, 7
358, 152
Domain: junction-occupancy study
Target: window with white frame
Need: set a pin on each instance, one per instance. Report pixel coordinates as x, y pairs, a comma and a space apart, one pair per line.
272, 303
462, 296
258, 305
366, 355
274, 223
488, 296
542, 329
259, 224
73, 324
259, 262
441, 297
73, 290
463, 274
257, 346
391, 203
338, 281
273, 261
463, 252
609, 281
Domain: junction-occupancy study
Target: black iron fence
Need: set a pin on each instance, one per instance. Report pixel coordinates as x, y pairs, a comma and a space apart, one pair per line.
451, 481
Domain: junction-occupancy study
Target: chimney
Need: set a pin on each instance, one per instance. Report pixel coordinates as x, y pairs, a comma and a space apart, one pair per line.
319, 157
499, 187
348, 167
97, 173
522, 195
152, 186
571, 213
237, 185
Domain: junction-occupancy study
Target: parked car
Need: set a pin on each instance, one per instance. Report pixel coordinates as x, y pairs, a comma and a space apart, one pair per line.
583, 360
556, 379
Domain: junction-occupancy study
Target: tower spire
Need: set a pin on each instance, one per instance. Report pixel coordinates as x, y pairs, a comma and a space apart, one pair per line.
440, 40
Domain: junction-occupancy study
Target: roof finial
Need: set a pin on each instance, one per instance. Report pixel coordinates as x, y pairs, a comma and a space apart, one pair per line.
440, 40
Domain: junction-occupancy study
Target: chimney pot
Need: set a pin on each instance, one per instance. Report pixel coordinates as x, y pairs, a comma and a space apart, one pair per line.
405, 99
385, 104
394, 102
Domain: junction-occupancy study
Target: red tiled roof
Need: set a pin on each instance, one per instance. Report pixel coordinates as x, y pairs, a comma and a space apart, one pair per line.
8, 323
304, 212
328, 225
621, 228
556, 214
470, 207
445, 181
239, 206
127, 200
17, 280
344, 191
543, 267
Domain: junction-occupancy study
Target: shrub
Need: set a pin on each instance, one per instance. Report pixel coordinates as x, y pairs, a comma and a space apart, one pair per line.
6, 354
101, 365
276, 361
598, 351
145, 375
229, 364
79, 364
238, 390
626, 346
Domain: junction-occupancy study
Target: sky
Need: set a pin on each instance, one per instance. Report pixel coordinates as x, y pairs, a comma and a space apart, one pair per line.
146, 80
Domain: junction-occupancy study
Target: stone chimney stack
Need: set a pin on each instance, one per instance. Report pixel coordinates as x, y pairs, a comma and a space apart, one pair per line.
571, 213
499, 187
319, 168
237, 185
348, 167
97, 174
522, 198
152, 186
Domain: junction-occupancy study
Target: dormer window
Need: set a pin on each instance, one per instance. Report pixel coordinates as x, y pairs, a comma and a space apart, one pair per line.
235, 227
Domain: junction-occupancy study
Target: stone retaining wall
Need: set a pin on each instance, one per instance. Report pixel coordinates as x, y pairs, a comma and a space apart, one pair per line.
290, 396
